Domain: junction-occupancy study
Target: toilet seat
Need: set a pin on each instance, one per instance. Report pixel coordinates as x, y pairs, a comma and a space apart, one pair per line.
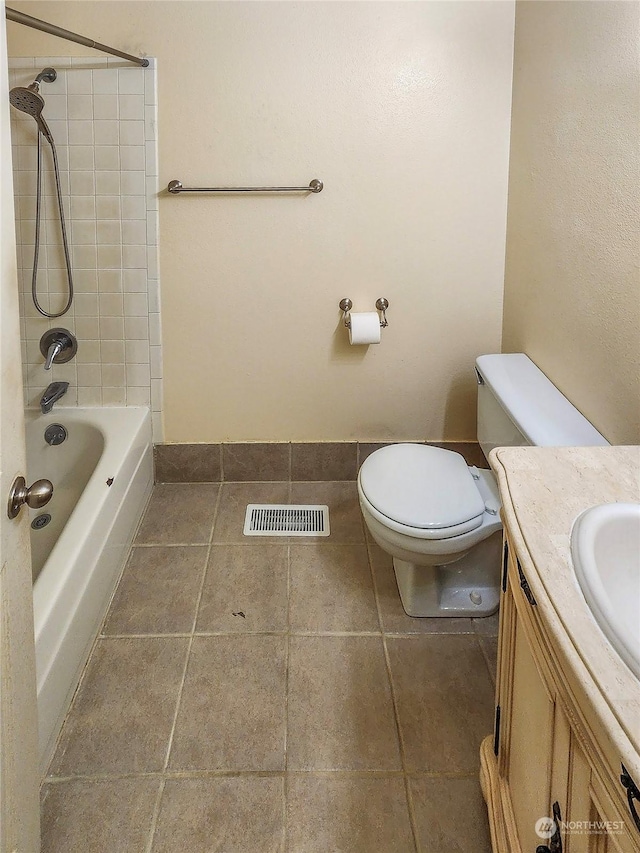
422, 491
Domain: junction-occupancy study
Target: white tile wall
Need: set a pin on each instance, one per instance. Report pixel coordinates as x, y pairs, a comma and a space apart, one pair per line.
103, 119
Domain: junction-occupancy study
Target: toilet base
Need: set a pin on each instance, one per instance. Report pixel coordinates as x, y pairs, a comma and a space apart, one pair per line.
468, 587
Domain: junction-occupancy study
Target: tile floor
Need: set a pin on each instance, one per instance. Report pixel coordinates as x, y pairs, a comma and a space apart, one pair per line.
270, 696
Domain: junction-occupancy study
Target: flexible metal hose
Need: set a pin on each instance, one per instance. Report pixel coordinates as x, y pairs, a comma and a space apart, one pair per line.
63, 228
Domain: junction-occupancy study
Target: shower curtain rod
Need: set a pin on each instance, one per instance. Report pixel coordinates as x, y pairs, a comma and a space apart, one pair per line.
52, 29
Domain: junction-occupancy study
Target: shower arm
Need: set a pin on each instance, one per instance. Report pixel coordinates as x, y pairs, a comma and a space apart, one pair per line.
37, 24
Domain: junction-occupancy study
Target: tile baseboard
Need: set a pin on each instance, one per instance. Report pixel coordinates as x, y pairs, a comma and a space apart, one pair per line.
278, 461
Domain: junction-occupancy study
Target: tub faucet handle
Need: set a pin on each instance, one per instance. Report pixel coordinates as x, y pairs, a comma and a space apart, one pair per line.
58, 346
36, 496
55, 349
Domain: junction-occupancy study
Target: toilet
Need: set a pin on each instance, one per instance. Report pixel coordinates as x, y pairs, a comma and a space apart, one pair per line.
440, 518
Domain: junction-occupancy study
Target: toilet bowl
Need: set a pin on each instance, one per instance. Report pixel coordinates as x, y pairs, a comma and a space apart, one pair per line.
431, 512
439, 518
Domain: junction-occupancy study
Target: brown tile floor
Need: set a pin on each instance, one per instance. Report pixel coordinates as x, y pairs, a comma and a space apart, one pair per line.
270, 696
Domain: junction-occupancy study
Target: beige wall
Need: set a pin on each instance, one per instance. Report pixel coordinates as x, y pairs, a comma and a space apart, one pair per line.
572, 292
402, 109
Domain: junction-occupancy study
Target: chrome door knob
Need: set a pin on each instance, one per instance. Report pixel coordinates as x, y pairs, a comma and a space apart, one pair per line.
36, 496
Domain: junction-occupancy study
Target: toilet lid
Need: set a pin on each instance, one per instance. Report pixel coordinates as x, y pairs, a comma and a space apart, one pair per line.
421, 486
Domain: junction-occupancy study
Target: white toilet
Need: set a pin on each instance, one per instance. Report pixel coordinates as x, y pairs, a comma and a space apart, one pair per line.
438, 517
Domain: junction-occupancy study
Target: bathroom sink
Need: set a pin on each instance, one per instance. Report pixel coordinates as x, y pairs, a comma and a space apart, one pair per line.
605, 547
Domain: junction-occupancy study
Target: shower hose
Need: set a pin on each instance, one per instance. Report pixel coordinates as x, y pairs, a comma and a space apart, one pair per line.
63, 228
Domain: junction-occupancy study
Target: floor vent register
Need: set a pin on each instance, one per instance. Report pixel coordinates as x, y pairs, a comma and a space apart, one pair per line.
286, 520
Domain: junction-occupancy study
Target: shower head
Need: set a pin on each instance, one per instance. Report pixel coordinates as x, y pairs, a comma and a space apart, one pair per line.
28, 100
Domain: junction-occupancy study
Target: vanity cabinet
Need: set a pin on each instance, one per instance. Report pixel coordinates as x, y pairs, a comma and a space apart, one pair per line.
544, 759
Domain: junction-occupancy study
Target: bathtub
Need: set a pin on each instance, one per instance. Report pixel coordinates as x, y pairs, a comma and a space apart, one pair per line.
102, 476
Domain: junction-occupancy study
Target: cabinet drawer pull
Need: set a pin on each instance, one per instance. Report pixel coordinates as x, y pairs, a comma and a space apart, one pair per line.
496, 732
555, 842
505, 566
632, 794
524, 583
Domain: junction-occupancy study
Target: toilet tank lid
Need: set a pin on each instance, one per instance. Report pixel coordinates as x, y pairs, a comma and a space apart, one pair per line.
539, 410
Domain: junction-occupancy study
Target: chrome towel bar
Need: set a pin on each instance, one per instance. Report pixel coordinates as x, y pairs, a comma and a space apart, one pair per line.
315, 186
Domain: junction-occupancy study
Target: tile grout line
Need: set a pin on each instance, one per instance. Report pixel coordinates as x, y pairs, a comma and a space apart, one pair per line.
183, 679
183, 635
193, 631
492, 674
170, 545
407, 788
174, 775
394, 703
155, 816
169, 636
302, 541
334, 633
285, 802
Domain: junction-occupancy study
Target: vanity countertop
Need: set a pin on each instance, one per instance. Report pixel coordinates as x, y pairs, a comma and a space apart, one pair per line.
543, 489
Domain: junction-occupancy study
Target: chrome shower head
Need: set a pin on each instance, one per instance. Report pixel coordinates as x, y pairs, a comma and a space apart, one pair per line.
28, 100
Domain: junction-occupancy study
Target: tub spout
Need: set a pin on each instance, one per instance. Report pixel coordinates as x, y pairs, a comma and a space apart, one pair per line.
52, 394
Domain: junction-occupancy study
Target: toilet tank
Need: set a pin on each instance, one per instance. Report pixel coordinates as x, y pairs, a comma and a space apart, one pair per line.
518, 405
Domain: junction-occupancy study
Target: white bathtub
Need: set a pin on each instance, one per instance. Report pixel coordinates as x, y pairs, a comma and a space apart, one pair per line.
79, 555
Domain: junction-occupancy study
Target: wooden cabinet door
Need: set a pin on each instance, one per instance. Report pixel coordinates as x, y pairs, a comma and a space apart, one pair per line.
591, 822
527, 710
611, 827
542, 757
530, 744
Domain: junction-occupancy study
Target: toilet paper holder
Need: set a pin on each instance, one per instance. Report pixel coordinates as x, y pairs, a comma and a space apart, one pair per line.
346, 305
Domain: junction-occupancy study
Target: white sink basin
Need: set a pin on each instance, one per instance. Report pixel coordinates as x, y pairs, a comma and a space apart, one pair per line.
605, 546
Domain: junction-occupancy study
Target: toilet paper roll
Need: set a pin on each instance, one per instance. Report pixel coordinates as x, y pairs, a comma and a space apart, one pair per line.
365, 328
